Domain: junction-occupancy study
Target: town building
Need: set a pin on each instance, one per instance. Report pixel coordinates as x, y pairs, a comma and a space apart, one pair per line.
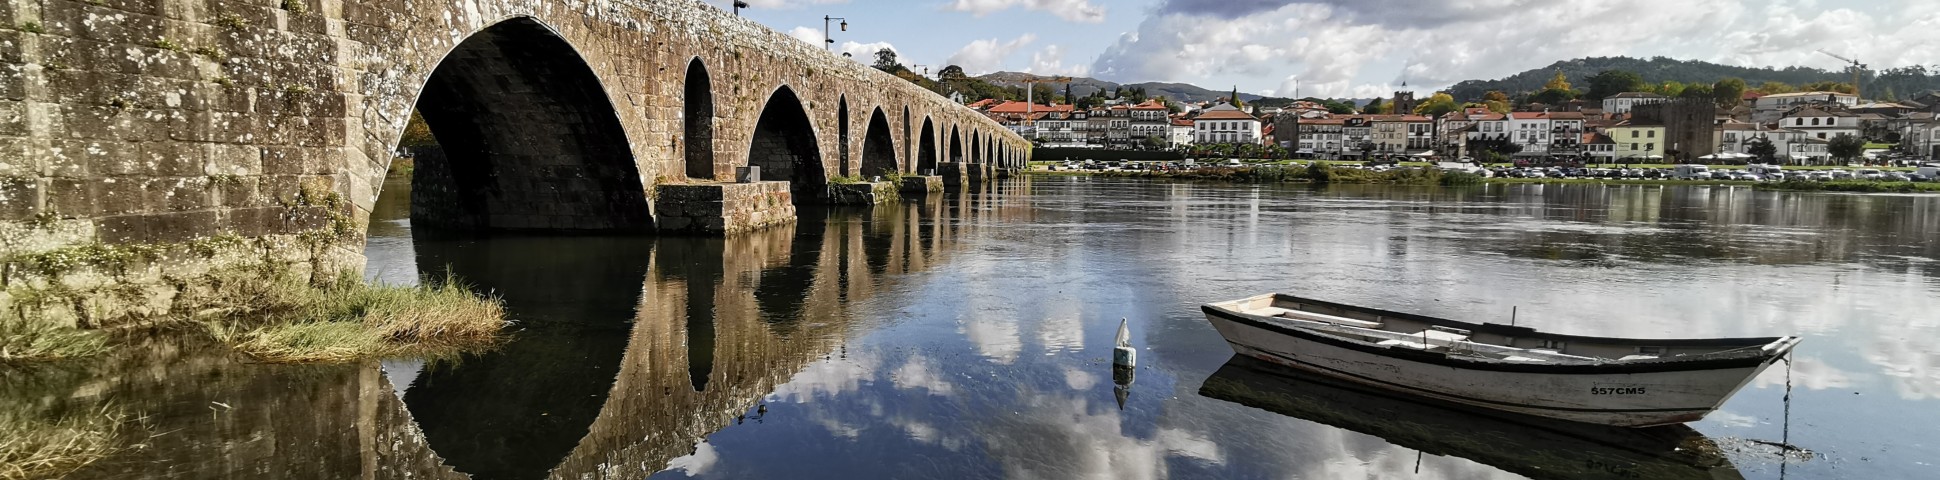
1225, 123
1180, 132
1690, 127
1357, 137
1320, 138
1637, 143
1622, 102
1770, 108
1598, 148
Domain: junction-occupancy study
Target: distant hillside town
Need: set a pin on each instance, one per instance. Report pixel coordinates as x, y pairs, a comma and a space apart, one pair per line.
1619, 118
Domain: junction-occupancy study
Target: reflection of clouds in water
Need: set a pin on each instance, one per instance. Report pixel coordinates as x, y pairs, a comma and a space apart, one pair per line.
1915, 373
1079, 380
1060, 333
1731, 420
829, 378
697, 463
996, 339
1809, 373
917, 373
1062, 437
401, 373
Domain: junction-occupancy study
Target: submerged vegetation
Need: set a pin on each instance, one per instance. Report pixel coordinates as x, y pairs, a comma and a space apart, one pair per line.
32, 446
287, 320
23, 340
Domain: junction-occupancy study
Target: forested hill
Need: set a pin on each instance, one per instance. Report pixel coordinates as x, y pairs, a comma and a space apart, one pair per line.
1903, 82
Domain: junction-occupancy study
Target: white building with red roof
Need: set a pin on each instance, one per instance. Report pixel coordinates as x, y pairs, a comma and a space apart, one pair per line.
1225, 123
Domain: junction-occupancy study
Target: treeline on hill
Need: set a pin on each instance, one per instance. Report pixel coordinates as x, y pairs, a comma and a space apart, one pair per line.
952, 79
1889, 84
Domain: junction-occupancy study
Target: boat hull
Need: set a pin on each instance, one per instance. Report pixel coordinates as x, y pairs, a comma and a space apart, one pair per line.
1627, 397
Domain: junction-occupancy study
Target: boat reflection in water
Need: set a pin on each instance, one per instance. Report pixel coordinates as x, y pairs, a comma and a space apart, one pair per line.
1531, 446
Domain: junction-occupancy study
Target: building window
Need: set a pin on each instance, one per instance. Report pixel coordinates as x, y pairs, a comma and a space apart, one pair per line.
1652, 134
1650, 146
1633, 134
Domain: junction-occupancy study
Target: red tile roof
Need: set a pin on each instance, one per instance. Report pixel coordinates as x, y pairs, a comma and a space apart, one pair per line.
1149, 105
1014, 107
1224, 115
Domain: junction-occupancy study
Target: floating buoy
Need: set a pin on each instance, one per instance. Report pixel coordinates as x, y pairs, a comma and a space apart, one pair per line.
1124, 355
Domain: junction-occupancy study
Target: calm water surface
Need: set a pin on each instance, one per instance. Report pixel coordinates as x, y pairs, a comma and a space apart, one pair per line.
970, 337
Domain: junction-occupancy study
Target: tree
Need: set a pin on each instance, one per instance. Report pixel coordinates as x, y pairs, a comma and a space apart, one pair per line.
1041, 92
1608, 83
1495, 96
417, 133
1234, 98
886, 61
1846, 146
1553, 96
1374, 107
1696, 90
1497, 106
1761, 149
951, 73
1559, 82
1887, 95
1437, 105
1774, 88
1670, 88
1067, 93
1728, 92
1828, 86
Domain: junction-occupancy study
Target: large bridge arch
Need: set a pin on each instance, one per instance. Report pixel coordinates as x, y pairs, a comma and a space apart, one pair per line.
926, 156
784, 145
878, 147
530, 139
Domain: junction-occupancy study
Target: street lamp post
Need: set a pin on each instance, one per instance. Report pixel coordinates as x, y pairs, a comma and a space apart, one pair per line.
828, 43
738, 5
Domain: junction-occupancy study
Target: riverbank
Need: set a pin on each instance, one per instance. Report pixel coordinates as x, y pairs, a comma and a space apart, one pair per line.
1274, 174
274, 316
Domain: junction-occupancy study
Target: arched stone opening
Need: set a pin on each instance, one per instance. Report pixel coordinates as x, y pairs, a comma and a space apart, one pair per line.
909, 144
784, 147
956, 146
529, 140
842, 136
878, 148
926, 155
976, 153
698, 110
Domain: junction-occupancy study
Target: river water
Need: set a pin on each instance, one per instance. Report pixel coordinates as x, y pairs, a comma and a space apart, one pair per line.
970, 337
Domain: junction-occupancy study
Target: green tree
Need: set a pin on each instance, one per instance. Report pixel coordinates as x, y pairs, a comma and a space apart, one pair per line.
1762, 149
1497, 106
1828, 86
1558, 82
1887, 95
1437, 105
1234, 98
886, 61
951, 74
1728, 92
417, 133
1696, 90
1846, 147
1495, 96
1670, 88
1041, 93
1552, 96
1067, 93
1374, 107
1608, 83
1774, 88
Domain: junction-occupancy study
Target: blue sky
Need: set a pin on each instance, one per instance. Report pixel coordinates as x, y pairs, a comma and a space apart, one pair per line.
1356, 47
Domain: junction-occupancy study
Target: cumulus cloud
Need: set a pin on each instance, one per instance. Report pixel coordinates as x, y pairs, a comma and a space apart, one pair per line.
866, 52
775, 4
1050, 61
1071, 10
1362, 47
985, 56
808, 34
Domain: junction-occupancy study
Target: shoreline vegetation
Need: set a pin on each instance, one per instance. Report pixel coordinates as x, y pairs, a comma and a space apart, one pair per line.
1322, 173
45, 445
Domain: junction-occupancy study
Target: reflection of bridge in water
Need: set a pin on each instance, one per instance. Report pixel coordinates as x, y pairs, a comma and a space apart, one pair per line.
715, 325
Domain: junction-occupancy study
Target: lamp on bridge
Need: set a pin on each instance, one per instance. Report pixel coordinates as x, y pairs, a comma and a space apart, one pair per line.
738, 5
830, 42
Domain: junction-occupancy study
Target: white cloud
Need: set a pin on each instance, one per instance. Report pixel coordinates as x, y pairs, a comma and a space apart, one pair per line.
866, 52
1050, 61
1360, 48
1071, 10
808, 34
985, 56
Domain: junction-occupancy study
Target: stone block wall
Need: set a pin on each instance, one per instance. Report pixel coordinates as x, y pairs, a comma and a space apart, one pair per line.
954, 174
862, 193
921, 185
722, 208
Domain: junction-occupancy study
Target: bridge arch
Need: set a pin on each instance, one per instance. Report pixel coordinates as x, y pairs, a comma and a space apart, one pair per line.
529, 138
956, 145
697, 105
842, 136
878, 147
976, 146
783, 145
909, 143
926, 156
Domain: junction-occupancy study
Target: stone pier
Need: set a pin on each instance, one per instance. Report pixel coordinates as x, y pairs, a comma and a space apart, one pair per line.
722, 208
954, 174
866, 193
976, 173
918, 185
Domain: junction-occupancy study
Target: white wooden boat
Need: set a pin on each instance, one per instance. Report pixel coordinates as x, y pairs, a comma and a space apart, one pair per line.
1611, 381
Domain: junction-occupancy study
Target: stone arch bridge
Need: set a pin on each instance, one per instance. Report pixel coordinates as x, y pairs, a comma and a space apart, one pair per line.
157, 121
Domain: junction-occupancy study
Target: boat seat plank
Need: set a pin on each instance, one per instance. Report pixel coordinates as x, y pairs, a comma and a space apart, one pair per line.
1315, 317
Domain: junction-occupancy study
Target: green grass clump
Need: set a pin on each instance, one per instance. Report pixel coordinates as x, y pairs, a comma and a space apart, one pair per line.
1457, 179
21, 340
36, 447
348, 319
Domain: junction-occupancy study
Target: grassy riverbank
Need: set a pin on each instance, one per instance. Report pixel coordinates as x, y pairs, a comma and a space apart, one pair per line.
32, 446
273, 315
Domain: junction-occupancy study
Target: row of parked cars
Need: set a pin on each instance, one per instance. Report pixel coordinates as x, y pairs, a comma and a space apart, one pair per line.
1754, 173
